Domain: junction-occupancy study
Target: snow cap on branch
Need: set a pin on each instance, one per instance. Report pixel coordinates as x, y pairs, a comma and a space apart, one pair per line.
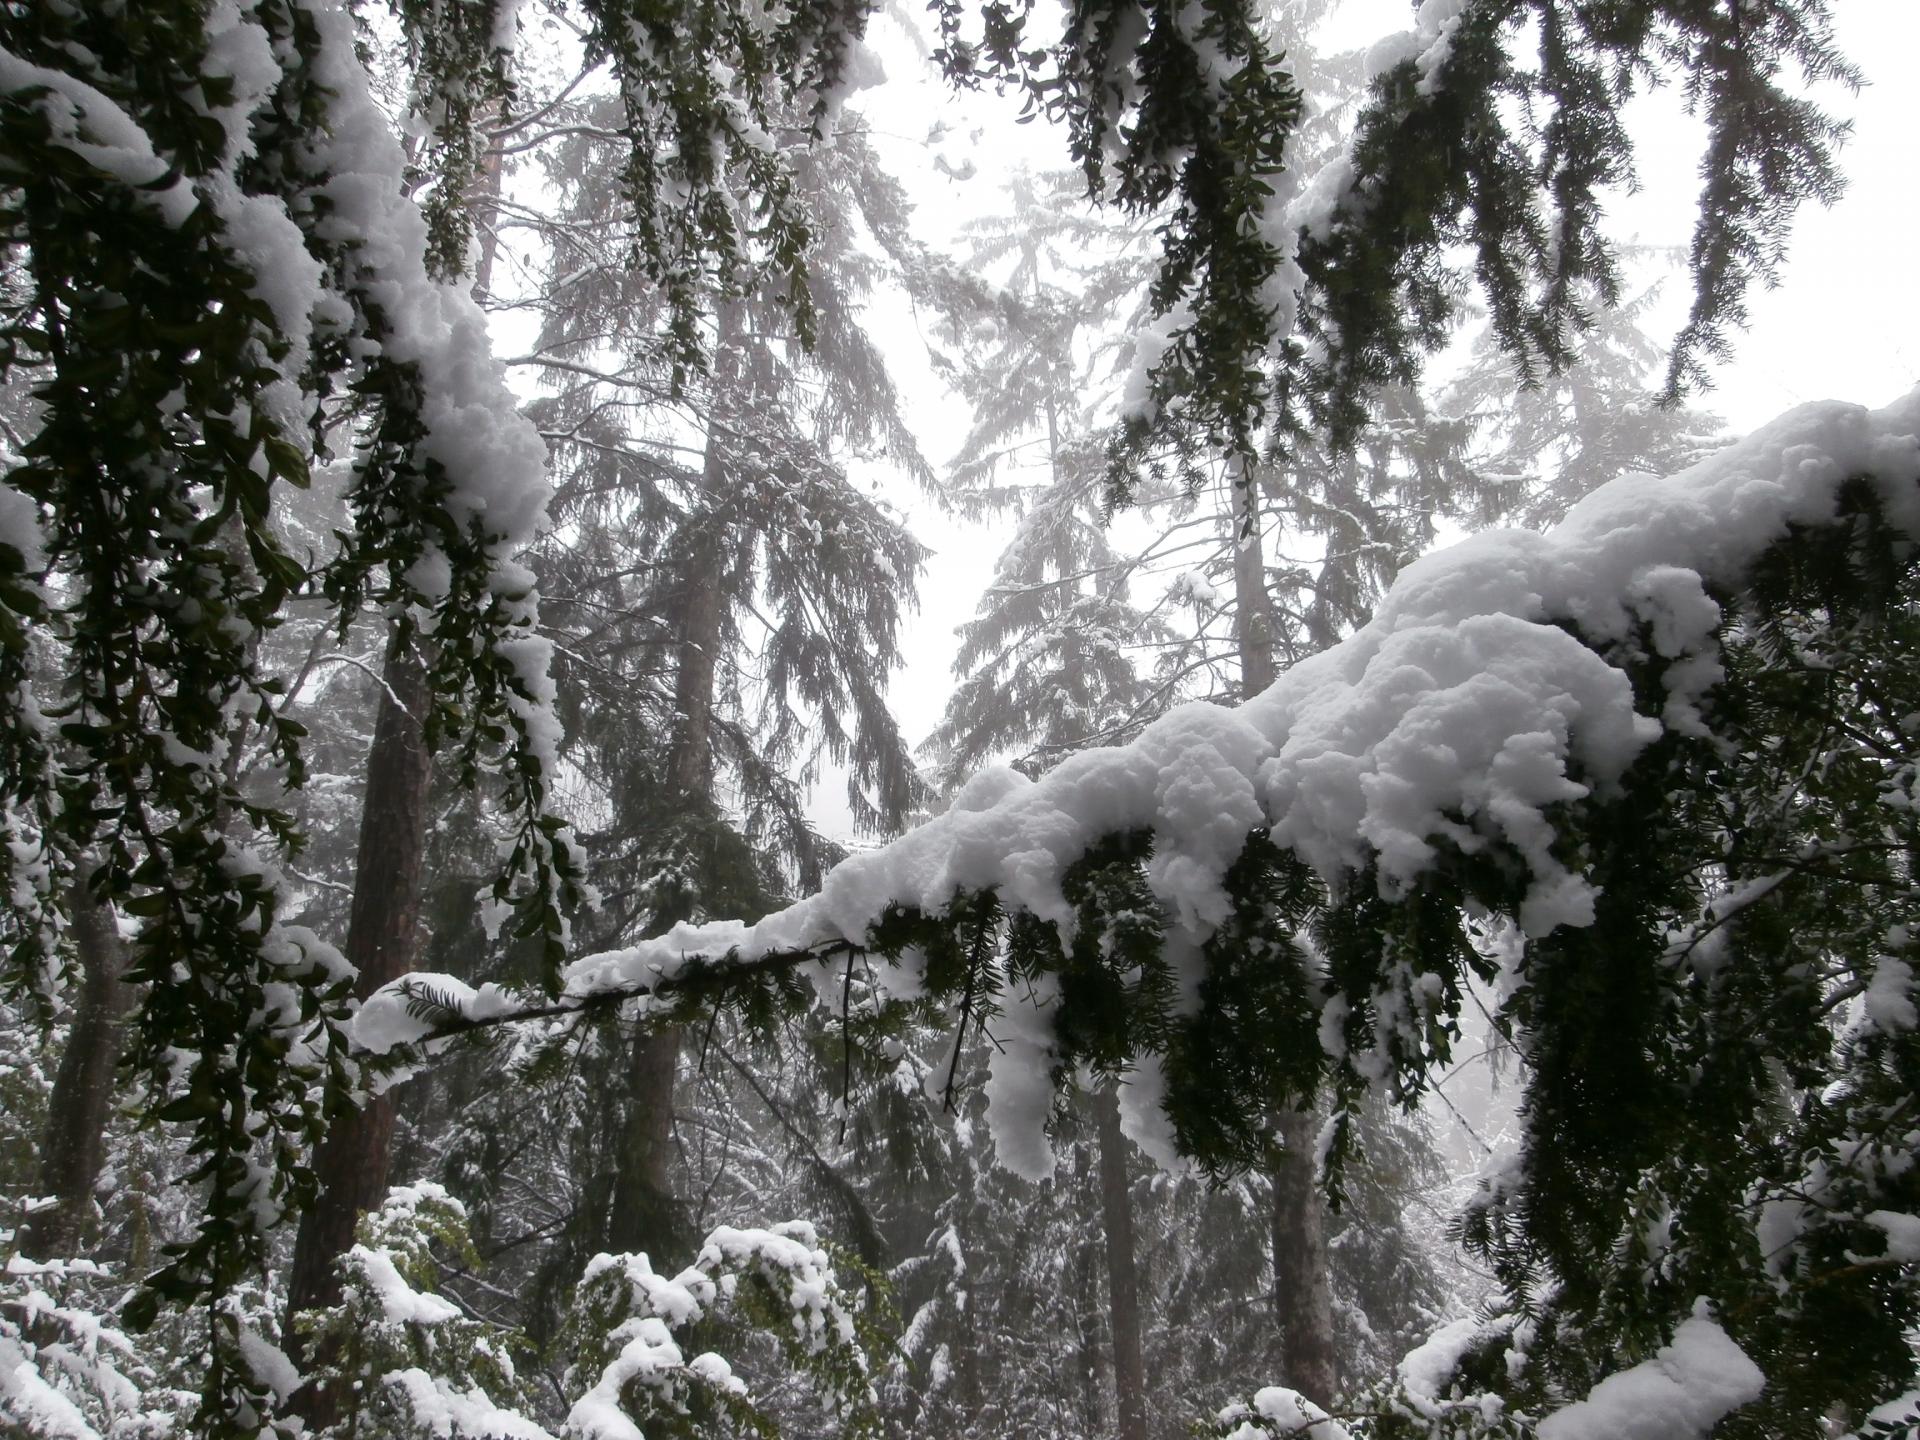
1679, 1394
1460, 714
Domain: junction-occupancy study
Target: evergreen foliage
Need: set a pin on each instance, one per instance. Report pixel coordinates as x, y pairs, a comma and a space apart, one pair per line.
421, 1367
808, 572
214, 276
1462, 144
190, 313
1717, 1065
1045, 666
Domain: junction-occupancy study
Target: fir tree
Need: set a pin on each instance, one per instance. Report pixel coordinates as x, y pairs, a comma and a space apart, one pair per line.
1545, 445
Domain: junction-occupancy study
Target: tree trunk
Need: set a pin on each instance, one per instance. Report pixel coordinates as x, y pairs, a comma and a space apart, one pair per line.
1082, 1298
74, 1150
352, 1162
703, 606
1302, 1297
642, 1213
483, 203
483, 199
968, 1348
702, 595
1252, 606
1123, 1290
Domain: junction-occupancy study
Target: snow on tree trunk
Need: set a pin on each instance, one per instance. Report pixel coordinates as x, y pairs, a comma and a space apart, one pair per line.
483, 200
703, 598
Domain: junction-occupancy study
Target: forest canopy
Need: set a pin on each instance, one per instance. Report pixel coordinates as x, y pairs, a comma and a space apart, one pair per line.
1645, 779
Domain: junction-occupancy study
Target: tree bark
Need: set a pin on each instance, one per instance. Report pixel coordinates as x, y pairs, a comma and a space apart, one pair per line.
74, 1150
352, 1163
702, 613
1123, 1289
702, 597
1302, 1296
1252, 605
642, 1213
483, 199
1082, 1299
967, 1350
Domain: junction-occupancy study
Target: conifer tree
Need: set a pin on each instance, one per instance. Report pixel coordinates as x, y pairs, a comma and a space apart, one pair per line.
766, 557
184, 311
80, 1101
1044, 665
1634, 742
725, 597
1056, 660
1549, 443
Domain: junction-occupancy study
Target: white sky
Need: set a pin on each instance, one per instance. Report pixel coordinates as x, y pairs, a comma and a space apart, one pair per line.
1843, 323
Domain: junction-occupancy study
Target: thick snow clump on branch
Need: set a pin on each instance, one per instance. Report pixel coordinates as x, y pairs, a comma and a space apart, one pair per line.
1680, 1394
1465, 697
1490, 687
1276, 1410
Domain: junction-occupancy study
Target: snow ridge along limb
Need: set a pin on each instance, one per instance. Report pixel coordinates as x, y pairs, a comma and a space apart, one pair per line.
1465, 696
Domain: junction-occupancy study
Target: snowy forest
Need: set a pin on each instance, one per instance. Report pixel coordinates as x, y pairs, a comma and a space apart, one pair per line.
1392, 917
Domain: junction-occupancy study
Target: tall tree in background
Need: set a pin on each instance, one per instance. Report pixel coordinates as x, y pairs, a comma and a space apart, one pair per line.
726, 599
757, 595
1044, 666
81, 1099
165, 423
1302, 1292
1551, 442
352, 1165
1057, 659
